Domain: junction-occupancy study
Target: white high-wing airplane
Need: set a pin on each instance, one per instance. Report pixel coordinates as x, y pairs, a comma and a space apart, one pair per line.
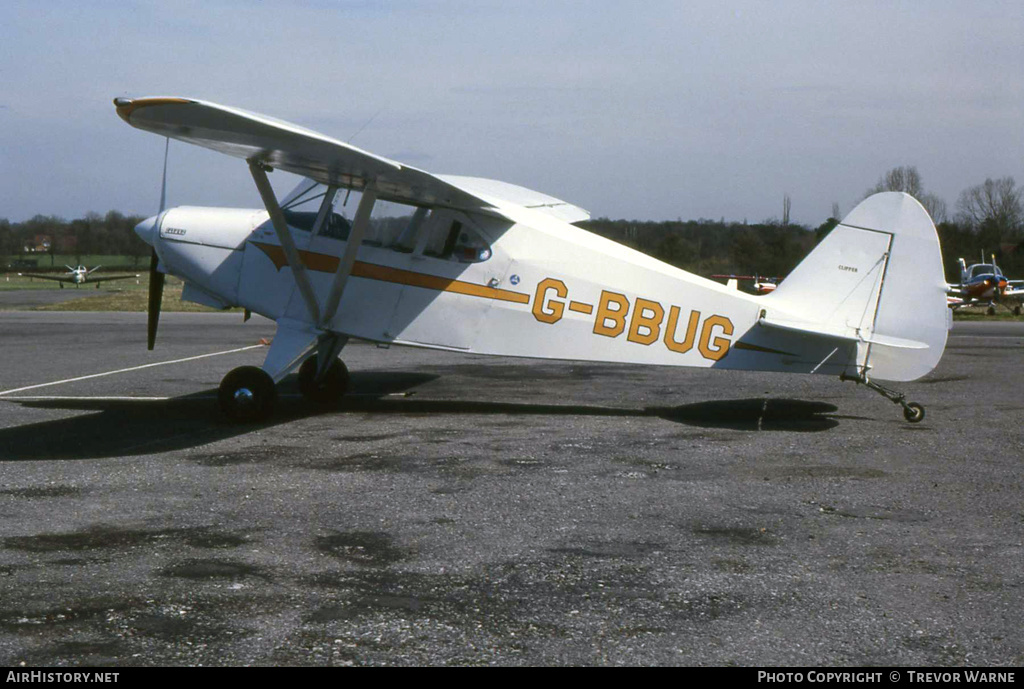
492, 268
78, 276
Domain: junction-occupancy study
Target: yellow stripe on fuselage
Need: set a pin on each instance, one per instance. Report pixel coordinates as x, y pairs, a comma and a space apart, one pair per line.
325, 263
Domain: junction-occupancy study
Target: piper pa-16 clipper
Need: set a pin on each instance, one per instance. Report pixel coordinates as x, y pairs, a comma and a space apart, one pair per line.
78, 276
487, 267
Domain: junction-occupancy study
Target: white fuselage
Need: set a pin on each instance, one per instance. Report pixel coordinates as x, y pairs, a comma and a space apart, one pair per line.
545, 289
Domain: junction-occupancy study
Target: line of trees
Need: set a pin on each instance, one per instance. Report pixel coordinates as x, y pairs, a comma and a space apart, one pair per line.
988, 217
111, 234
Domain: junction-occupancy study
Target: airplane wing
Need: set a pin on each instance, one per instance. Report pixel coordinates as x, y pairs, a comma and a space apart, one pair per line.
292, 148
46, 277
107, 278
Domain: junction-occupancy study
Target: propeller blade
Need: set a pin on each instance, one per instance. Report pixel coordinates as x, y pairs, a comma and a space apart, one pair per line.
156, 278
156, 295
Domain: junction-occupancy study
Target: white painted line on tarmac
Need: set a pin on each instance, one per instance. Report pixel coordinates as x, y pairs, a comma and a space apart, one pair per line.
133, 368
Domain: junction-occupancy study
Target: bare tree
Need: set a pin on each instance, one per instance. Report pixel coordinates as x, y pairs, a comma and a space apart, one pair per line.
835, 210
997, 203
787, 203
935, 206
904, 178
908, 180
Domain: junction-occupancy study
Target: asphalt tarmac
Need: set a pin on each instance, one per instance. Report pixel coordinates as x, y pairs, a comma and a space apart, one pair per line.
466, 510
14, 300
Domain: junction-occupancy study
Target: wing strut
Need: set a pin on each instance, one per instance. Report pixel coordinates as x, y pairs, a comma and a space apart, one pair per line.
355, 238
328, 343
259, 175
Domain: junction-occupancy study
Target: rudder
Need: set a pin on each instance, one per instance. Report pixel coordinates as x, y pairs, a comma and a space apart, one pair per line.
877, 278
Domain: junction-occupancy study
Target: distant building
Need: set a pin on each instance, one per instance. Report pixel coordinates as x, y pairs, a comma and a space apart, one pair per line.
39, 244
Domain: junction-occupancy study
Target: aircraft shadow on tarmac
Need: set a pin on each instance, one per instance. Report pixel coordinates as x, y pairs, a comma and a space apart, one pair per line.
131, 427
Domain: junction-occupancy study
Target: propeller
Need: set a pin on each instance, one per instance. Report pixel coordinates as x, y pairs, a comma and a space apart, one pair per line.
156, 278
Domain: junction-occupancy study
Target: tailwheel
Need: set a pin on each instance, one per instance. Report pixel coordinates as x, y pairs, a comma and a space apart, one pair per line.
332, 384
913, 412
247, 393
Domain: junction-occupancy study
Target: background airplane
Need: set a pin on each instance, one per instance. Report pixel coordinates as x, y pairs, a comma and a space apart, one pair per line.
985, 284
486, 267
78, 276
761, 285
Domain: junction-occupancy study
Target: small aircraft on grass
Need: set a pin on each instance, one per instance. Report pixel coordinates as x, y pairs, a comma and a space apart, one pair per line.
985, 284
78, 276
488, 267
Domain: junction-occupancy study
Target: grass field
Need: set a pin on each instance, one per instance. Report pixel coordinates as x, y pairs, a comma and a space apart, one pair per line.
122, 295
13, 281
132, 295
112, 262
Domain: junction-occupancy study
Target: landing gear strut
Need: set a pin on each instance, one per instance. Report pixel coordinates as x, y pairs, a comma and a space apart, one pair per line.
247, 393
912, 411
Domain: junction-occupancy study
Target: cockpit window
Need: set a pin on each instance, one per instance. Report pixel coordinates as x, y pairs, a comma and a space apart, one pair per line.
336, 228
981, 269
449, 236
435, 232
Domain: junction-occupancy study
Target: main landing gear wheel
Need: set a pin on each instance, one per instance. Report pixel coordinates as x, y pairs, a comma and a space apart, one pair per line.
991, 311
247, 394
327, 391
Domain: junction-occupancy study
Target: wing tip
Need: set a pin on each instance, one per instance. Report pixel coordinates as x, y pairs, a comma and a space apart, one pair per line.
126, 106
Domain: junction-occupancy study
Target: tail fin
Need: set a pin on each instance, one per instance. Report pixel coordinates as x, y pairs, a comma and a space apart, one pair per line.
877, 278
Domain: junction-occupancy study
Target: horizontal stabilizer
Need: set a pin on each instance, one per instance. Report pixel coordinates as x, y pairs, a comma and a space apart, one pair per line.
842, 333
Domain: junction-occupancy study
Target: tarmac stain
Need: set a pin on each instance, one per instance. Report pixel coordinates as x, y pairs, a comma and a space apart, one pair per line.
33, 619
211, 569
366, 605
942, 379
100, 537
737, 535
361, 548
43, 492
163, 626
80, 653
366, 438
259, 455
819, 472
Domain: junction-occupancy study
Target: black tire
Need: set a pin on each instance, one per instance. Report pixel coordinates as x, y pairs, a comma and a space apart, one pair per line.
329, 390
247, 394
913, 412
1016, 310
991, 311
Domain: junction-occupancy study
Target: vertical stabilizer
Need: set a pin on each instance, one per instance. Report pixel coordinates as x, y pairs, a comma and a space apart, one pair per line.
877, 278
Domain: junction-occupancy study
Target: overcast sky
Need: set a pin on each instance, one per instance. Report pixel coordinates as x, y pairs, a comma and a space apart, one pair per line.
647, 110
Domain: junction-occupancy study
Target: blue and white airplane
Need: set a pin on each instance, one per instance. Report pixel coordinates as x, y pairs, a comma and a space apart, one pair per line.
984, 284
